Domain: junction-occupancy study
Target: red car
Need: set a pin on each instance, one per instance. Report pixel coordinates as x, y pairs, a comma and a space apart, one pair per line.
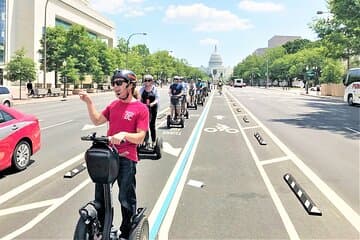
19, 138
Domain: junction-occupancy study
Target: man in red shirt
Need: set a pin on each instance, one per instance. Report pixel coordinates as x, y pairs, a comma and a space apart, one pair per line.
128, 121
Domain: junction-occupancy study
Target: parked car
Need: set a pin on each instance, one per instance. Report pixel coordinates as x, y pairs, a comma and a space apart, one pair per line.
19, 138
6, 97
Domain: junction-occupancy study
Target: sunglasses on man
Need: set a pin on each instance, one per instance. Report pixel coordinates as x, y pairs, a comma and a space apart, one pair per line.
147, 80
117, 82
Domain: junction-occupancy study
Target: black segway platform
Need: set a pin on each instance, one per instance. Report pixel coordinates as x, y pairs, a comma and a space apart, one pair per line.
179, 122
192, 106
146, 151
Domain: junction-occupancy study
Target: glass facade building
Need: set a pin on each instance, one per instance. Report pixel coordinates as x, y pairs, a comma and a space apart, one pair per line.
2, 30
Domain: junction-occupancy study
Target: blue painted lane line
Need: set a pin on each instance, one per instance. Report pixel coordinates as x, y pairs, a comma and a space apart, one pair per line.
154, 229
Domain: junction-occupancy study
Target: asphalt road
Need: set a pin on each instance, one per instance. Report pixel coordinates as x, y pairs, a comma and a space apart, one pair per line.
215, 181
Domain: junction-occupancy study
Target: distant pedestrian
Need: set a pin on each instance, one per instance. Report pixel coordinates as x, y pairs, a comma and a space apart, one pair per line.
29, 87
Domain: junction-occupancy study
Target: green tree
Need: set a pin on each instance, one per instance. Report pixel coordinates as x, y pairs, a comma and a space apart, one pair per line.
296, 45
332, 71
79, 45
340, 32
55, 49
20, 68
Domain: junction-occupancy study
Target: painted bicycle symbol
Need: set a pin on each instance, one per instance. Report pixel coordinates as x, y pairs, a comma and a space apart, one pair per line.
221, 128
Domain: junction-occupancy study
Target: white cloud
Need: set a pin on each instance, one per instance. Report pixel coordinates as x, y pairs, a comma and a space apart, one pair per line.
253, 6
209, 41
205, 19
128, 8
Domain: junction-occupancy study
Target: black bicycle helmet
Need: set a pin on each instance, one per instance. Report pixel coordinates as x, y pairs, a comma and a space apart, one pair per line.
127, 75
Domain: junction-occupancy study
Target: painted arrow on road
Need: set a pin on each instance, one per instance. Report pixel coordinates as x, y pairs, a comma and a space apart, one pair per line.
170, 149
219, 117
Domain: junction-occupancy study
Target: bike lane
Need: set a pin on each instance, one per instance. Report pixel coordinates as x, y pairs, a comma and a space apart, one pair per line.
224, 195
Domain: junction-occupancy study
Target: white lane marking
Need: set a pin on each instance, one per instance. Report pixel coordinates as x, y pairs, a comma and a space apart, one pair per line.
55, 125
47, 212
26, 207
91, 126
335, 199
245, 128
289, 226
274, 160
350, 129
14, 192
56, 202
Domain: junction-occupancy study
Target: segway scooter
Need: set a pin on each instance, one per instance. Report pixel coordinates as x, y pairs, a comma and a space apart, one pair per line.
199, 97
184, 111
176, 120
102, 161
192, 104
147, 151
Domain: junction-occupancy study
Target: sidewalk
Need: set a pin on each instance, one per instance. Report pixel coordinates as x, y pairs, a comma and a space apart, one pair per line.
25, 99
302, 91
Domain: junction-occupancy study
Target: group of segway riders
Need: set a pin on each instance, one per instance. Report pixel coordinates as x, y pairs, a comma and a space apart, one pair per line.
131, 121
185, 94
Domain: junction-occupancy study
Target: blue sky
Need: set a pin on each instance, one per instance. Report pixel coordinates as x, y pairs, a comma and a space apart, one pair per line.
190, 29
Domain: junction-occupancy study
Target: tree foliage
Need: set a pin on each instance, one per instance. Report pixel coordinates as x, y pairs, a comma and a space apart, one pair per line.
340, 31
20, 68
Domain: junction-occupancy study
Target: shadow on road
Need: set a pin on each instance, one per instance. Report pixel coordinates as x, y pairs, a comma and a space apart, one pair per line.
334, 116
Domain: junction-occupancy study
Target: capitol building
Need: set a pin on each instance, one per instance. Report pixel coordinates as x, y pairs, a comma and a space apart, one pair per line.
216, 70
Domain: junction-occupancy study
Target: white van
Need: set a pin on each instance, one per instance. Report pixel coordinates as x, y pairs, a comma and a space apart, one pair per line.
352, 86
239, 82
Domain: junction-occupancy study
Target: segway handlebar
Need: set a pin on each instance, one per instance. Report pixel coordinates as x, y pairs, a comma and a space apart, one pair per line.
92, 137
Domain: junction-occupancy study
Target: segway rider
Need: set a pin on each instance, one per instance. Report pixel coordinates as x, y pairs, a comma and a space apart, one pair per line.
175, 92
128, 121
185, 93
220, 85
192, 89
150, 97
199, 90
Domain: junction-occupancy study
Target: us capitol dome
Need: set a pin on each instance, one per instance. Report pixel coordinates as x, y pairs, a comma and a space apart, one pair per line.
216, 69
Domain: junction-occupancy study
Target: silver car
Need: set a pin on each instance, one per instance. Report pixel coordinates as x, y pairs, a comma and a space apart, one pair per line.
5, 96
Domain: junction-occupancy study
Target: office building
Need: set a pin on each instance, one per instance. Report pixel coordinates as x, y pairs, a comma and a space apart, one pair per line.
22, 24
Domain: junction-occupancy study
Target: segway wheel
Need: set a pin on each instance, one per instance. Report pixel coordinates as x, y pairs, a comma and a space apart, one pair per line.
158, 147
141, 231
182, 122
168, 121
195, 106
187, 114
82, 230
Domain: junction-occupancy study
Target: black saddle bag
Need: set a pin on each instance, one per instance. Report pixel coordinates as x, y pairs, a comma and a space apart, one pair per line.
102, 163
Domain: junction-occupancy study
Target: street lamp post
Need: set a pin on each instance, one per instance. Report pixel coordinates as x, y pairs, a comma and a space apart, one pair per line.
45, 63
306, 80
267, 72
127, 45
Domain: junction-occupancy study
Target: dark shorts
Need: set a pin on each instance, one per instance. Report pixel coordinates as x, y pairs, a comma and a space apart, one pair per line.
175, 100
